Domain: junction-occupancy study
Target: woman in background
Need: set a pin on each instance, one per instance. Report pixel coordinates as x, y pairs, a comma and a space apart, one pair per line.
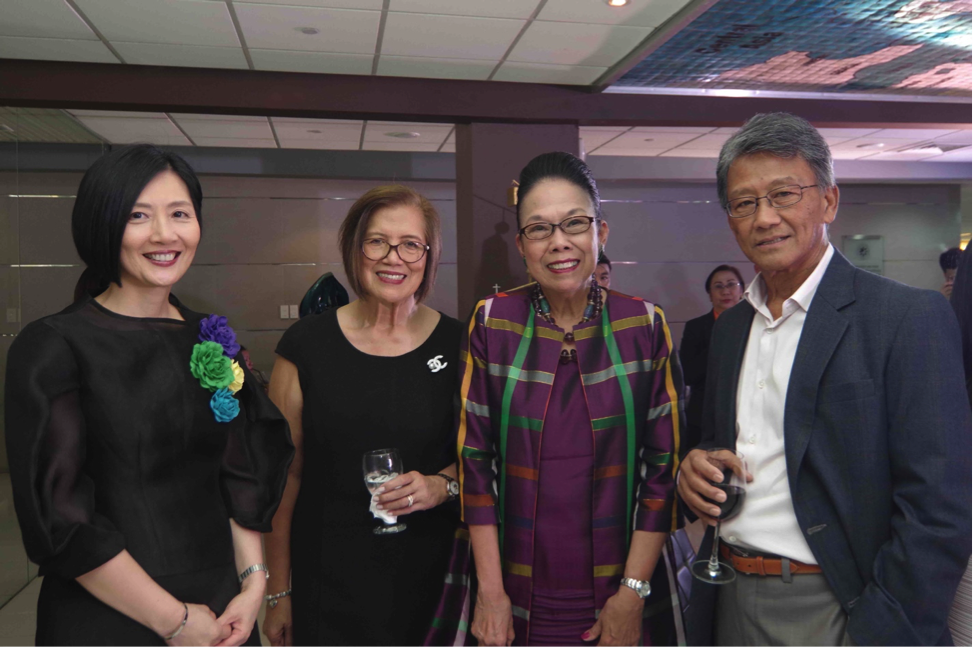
379, 372
724, 286
145, 463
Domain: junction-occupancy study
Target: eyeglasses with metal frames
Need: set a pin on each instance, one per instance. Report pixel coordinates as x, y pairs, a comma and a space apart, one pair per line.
729, 285
782, 196
570, 226
410, 251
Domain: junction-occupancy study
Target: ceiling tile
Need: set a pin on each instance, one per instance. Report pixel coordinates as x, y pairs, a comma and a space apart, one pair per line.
958, 137
707, 142
323, 132
117, 113
318, 145
911, 133
576, 44
847, 133
635, 14
400, 146
607, 129
487, 8
699, 130
300, 120
182, 55
904, 157
448, 147
594, 138
43, 19
340, 30
132, 130
663, 141
259, 129
858, 142
407, 123
374, 5
541, 73
377, 132
452, 137
627, 152
177, 22
316, 62
689, 152
226, 142
179, 116
55, 49
408, 34
960, 155
435, 68
850, 153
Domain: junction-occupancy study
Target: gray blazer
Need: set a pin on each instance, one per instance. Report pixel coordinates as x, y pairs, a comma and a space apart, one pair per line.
877, 441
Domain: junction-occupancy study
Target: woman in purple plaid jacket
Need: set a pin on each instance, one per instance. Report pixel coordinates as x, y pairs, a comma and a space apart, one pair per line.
568, 436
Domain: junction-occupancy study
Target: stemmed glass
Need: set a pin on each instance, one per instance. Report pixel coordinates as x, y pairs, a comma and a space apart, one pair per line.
734, 467
381, 466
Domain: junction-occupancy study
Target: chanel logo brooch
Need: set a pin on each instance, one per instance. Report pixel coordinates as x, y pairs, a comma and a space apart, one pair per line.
435, 365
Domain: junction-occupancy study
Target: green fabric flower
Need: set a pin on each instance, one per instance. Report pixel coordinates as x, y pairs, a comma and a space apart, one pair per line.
210, 366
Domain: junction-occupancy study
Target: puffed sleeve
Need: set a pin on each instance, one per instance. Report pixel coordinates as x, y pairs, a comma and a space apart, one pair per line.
660, 442
476, 441
45, 431
258, 453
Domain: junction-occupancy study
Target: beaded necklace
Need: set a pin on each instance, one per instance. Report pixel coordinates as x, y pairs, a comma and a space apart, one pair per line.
592, 310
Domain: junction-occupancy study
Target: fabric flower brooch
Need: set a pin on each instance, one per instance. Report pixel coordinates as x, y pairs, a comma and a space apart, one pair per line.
213, 365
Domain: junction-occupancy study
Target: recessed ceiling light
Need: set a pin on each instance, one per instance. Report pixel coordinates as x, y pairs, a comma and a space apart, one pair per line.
402, 135
872, 146
617, 3
310, 31
316, 132
648, 140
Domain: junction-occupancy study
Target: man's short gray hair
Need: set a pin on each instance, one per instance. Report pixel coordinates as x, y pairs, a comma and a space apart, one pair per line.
780, 134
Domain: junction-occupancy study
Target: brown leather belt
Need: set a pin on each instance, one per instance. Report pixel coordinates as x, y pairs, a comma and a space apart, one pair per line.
764, 565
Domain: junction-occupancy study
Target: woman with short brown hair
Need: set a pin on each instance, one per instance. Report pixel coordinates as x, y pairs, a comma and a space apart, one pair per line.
379, 372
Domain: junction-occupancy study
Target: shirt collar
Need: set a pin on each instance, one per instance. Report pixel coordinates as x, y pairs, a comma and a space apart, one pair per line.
756, 293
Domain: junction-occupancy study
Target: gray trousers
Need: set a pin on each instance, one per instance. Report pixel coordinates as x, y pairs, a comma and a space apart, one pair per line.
766, 610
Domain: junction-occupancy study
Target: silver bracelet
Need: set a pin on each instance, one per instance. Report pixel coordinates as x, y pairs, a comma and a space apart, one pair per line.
253, 569
182, 626
273, 599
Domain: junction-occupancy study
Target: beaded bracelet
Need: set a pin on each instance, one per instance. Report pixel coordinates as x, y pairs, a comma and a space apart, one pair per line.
274, 599
182, 625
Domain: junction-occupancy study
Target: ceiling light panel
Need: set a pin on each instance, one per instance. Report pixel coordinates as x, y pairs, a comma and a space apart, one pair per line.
374, 5
182, 55
434, 68
637, 13
309, 144
425, 35
176, 22
340, 30
349, 132
662, 141
541, 73
428, 134
258, 129
133, 130
485, 8
221, 142
576, 44
54, 49
313, 62
43, 19
707, 142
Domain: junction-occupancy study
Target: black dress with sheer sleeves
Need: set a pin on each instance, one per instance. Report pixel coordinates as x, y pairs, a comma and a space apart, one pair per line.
113, 446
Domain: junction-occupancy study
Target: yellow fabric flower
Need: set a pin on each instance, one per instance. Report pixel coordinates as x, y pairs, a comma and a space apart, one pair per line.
237, 382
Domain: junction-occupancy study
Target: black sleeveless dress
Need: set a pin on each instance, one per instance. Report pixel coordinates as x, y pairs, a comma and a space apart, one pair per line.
352, 587
113, 445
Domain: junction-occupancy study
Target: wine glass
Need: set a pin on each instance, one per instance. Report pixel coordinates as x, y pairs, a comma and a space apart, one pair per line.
381, 466
734, 467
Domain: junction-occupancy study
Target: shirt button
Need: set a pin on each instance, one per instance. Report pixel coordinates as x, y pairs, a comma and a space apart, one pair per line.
761, 384
732, 538
752, 440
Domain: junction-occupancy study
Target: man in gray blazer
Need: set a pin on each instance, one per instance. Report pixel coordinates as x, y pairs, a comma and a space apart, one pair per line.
844, 391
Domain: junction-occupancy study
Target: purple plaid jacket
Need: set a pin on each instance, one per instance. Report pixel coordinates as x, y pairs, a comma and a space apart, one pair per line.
652, 370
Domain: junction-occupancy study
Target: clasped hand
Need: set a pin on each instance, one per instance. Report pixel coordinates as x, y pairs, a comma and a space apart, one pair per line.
426, 492
230, 629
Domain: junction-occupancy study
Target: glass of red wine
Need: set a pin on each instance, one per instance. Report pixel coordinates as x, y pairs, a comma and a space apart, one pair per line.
734, 467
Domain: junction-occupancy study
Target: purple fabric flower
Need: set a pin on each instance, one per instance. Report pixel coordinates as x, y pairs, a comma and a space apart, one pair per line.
214, 328
225, 407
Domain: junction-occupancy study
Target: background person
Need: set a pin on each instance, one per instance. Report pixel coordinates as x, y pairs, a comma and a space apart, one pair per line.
603, 271
144, 460
379, 372
841, 388
552, 529
724, 286
948, 262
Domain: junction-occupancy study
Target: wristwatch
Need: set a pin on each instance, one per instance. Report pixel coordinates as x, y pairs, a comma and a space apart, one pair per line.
452, 486
641, 587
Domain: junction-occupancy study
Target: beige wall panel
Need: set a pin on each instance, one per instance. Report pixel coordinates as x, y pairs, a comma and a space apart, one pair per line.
10, 291
48, 183
261, 344
45, 231
5, 342
46, 290
237, 230
308, 230
236, 187
920, 274
9, 230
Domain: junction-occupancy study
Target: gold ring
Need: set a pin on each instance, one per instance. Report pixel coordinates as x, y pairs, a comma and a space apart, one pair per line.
412, 500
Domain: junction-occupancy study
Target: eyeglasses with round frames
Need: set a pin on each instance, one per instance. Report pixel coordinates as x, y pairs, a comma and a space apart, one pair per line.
410, 251
729, 285
783, 196
570, 226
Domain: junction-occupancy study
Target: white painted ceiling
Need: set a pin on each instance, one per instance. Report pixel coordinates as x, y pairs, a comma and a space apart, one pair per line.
541, 41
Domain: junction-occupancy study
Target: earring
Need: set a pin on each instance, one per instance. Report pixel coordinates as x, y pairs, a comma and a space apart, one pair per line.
601, 250
524, 259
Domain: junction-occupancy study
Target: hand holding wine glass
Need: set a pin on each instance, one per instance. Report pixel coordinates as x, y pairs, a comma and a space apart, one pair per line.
381, 466
733, 467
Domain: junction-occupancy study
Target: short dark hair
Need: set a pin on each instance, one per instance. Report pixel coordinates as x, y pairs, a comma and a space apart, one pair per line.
723, 268
604, 260
780, 134
558, 166
949, 260
355, 226
106, 194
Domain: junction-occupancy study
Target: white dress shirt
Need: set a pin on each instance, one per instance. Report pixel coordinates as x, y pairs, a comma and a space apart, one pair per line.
767, 522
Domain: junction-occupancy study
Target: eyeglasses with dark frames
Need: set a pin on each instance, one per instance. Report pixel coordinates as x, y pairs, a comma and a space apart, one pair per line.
783, 196
570, 226
410, 251
729, 285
